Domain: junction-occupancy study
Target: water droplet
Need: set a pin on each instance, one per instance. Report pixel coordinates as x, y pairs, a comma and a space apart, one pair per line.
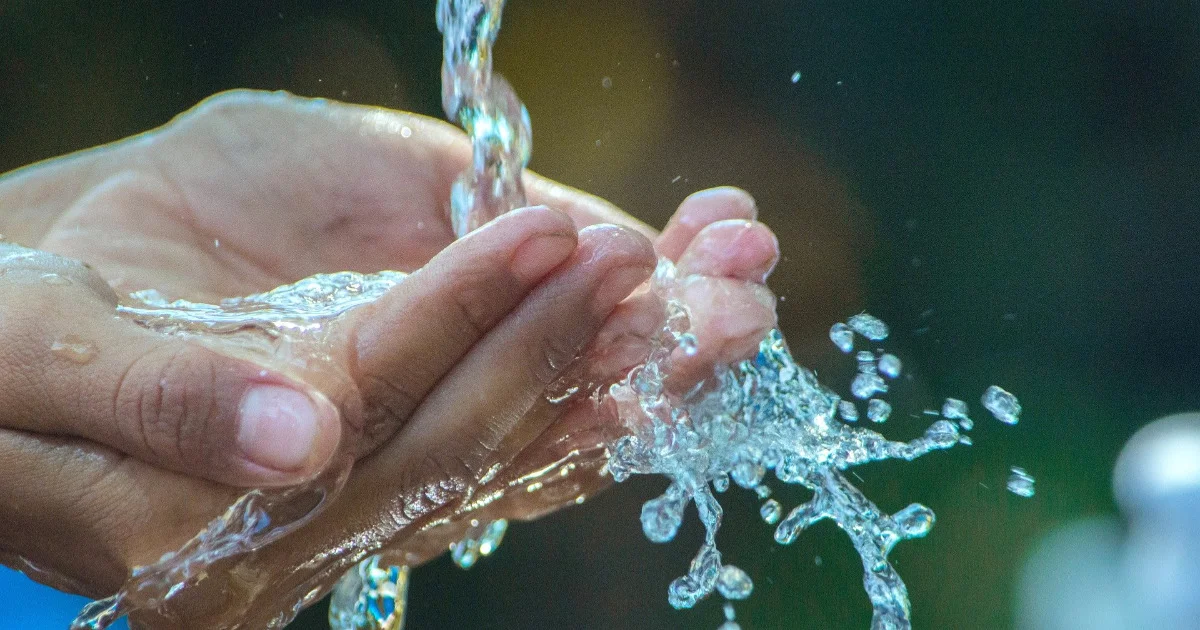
662, 517
866, 362
771, 511
217, 243
406, 131
848, 411
734, 583
1003, 405
721, 483
842, 337
889, 365
493, 534
762, 490
687, 343
730, 625
869, 326
878, 410
955, 409
73, 349
55, 279
729, 612
866, 385
606, 83
796, 77
1020, 483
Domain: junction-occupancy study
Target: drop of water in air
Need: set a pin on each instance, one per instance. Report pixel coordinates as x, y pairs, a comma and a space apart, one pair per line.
889, 365
878, 410
1020, 483
842, 336
869, 326
1003, 405
734, 583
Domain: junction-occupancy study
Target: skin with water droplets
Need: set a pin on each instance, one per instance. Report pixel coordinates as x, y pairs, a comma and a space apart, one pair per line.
74, 349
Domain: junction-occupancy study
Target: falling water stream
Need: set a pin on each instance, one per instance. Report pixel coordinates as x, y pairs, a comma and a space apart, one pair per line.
767, 417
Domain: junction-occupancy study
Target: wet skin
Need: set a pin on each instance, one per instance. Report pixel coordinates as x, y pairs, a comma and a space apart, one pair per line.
107, 464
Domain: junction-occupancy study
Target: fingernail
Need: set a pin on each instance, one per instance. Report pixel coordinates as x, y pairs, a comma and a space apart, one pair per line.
281, 429
617, 285
537, 256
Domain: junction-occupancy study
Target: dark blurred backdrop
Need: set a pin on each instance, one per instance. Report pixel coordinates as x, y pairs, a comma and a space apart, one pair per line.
1011, 185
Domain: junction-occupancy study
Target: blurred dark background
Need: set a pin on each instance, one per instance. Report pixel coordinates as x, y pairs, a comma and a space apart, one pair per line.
1011, 185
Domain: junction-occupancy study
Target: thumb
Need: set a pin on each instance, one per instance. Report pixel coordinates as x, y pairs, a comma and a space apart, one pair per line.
69, 367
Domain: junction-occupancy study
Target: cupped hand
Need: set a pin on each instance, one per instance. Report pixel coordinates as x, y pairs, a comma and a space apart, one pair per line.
250, 191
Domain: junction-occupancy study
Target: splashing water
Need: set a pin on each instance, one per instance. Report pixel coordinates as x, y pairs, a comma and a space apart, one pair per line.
764, 415
498, 126
1020, 482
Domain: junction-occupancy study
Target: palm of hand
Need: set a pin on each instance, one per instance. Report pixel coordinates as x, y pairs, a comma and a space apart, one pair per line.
237, 198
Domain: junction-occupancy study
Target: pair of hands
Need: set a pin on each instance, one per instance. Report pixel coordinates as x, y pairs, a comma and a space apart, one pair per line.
124, 453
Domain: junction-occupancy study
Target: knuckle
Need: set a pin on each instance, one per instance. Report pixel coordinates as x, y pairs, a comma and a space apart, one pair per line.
387, 406
553, 354
475, 296
173, 390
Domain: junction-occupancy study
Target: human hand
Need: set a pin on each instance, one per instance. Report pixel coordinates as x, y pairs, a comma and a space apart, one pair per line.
102, 195
225, 201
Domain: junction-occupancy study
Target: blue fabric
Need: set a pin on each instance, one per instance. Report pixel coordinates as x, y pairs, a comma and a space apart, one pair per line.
27, 605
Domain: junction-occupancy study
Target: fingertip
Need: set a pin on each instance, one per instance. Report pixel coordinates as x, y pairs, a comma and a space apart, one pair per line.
699, 210
743, 250
285, 435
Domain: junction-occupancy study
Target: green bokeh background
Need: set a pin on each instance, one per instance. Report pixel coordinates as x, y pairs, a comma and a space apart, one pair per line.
1011, 185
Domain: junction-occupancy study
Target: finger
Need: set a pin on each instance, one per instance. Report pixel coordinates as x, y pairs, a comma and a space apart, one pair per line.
737, 249
418, 477
406, 342
69, 367
699, 210
507, 373
84, 514
722, 272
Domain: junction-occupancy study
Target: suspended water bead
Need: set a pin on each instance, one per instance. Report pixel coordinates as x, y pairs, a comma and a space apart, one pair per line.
1020, 482
869, 326
771, 511
734, 583
866, 362
842, 336
866, 385
889, 365
721, 483
878, 410
1002, 405
848, 411
955, 409
662, 517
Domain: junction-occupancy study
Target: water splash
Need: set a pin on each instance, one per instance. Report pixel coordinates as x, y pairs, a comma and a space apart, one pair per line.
1020, 482
765, 414
479, 542
370, 597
